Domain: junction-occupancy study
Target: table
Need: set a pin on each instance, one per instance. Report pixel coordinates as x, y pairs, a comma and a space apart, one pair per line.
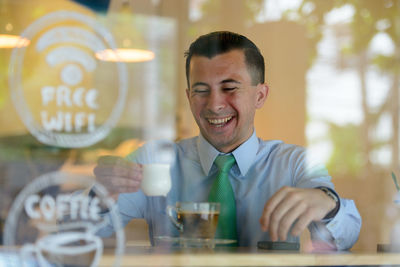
150, 256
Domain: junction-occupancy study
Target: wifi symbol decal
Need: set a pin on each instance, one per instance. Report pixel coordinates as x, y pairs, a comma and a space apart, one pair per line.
75, 61
71, 73
74, 95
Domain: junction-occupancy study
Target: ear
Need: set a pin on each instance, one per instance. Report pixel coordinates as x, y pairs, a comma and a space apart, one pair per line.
188, 94
261, 95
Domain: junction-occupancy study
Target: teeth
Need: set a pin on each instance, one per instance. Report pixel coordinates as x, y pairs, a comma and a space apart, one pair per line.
219, 121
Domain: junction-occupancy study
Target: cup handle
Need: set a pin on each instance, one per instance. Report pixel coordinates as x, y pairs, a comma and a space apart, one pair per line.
170, 212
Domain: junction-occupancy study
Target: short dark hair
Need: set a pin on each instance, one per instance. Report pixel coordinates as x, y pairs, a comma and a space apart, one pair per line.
215, 43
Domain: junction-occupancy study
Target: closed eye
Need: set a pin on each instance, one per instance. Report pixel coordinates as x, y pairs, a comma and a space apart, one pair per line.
229, 88
200, 91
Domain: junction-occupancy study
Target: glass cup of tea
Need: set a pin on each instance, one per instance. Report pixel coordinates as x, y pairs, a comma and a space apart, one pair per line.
195, 220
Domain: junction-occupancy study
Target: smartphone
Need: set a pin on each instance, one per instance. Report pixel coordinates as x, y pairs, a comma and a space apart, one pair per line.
278, 245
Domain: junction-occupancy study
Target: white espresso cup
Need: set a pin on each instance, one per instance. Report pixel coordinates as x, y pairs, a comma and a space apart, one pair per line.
156, 179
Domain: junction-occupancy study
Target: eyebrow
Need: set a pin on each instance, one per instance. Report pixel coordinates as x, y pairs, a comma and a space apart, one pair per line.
199, 84
229, 81
222, 82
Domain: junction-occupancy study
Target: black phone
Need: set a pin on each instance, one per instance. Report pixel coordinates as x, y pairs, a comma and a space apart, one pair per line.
278, 245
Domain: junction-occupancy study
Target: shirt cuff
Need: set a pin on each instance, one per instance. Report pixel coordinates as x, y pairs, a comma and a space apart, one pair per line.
339, 226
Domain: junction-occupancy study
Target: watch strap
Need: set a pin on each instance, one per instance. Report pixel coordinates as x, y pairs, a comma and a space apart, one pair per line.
333, 195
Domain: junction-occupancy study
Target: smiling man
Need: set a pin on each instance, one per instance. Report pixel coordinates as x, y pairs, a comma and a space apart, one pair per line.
268, 192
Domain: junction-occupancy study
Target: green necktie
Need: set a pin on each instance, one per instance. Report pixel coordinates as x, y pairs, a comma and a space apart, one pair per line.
222, 192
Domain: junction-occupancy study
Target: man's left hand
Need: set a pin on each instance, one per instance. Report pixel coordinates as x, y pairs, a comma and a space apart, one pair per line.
291, 204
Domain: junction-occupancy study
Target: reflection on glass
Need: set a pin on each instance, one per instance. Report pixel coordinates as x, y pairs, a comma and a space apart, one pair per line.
333, 69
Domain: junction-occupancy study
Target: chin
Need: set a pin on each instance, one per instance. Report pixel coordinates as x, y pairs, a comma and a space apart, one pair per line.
222, 145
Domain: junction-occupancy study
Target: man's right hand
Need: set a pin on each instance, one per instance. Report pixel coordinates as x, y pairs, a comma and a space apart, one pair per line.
118, 175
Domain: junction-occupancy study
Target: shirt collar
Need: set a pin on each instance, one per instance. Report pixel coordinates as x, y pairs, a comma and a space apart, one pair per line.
244, 155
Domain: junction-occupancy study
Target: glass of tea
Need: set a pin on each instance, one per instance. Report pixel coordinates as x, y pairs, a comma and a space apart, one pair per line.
195, 220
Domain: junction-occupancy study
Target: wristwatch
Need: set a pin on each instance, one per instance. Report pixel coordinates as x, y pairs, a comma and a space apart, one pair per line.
330, 193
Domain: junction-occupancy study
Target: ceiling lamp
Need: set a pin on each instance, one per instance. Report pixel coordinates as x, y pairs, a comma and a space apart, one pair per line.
12, 41
131, 44
125, 55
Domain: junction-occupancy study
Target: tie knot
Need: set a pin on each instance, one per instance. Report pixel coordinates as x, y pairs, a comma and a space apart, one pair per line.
225, 162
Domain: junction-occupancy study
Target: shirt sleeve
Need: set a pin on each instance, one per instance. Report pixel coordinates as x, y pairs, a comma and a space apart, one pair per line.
130, 205
133, 205
340, 232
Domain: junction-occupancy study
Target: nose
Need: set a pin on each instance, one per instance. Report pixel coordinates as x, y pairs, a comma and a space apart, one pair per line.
216, 101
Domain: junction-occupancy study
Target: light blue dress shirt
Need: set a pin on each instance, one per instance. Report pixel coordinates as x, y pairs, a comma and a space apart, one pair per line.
261, 169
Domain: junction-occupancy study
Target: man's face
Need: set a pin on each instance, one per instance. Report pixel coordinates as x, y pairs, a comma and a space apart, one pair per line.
223, 100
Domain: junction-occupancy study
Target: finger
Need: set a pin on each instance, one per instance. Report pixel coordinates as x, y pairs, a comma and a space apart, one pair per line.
123, 182
112, 184
133, 171
279, 215
127, 189
124, 162
270, 207
102, 170
289, 218
114, 161
116, 190
136, 171
122, 189
109, 170
302, 223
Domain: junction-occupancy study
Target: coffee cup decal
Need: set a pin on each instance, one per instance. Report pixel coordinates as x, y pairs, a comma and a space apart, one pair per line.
71, 106
64, 243
59, 246
66, 222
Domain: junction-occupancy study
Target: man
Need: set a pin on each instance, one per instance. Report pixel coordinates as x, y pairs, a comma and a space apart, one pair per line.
277, 192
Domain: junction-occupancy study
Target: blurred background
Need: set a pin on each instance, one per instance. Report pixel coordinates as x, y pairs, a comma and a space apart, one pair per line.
333, 67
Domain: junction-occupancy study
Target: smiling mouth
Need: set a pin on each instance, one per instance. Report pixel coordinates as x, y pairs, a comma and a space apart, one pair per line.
219, 122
